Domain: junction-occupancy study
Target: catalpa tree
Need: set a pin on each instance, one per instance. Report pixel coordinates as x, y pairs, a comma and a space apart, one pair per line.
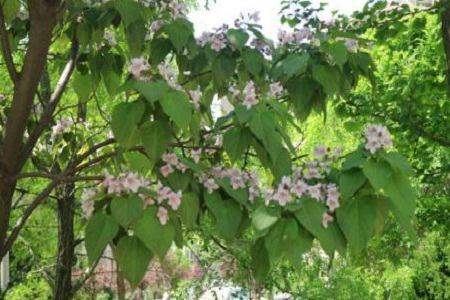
169, 133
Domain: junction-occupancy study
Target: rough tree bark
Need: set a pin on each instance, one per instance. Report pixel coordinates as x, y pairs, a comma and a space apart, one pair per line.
66, 241
43, 18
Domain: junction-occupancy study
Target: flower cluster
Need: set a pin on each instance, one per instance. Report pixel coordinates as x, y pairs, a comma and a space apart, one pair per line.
250, 96
171, 163
139, 68
177, 10
127, 182
298, 36
110, 37
196, 96
218, 40
164, 194
87, 202
377, 137
60, 127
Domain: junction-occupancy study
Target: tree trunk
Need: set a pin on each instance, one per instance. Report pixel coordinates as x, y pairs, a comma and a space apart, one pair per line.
63, 279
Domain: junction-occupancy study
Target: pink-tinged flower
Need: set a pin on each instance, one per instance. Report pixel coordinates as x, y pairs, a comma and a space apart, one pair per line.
267, 194
333, 197
2, 98
315, 191
163, 215
218, 172
210, 185
132, 182
284, 37
156, 25
299, 188
177, 10
320, 152
302, 34
251, 98
377, 137
352, 45
196, 153
282, 196
170, 159
253, 193
181, 167
166, 170
175, 200
312, 173
87, 206
286, 182
326, 218
236, 179
109, 36
139, 66
163, 193
112, 184
60, 127
234, 91
196, 96
218, 42
276, 89
149, 201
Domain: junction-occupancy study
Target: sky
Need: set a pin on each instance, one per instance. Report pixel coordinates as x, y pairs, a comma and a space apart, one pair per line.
226, 11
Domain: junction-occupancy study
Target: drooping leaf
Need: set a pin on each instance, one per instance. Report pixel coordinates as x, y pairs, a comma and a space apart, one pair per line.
100, 231
350, 182
227, 213
328, 77
237, 37
177, 106
133, 259
378, 173
260, 260
156, 237
398, 162
295, 64
125, 120
262, 219
310, 216
189, 210
155, 136
236, 141
179, 32
126, 209
253, 60
152, 91
355, 159
83, 86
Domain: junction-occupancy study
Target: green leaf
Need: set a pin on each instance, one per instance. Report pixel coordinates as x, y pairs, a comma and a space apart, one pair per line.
125, 120
354, 160
301, 93
329, 77
398, 162
10, 9
100, 231
253, 60
237, 37
260, 262
223, 68
159, 48
235, 142
156, 237
378, 173
177, 106
155, 136
240, 195
295, 64
189, 210
111, 79
129, 10
126, 209
133, 259
135, 34
227, 213
350, 182
357, 218
402, 200
310, 216
138, 162
285, 239
152, 91
338, 52
262, 219
179, 32
83, 86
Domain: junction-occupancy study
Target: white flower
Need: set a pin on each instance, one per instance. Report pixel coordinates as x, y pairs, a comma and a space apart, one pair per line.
2, 98
110, 37
132, 182
251, 98
276, 89
315, 191
377, 137
196, 96
175, 200
332, 197
210, 185
299, 188
196, 153
352, 45
163, 215
166, 170
139, 66
156, 25
170, 159
282, 196
326, 218
60, 127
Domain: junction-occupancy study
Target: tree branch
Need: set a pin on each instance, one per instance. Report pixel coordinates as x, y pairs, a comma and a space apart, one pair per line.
6, 49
